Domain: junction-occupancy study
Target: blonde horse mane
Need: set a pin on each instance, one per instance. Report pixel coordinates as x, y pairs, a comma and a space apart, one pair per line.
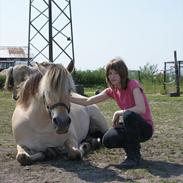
55, 80
17, 74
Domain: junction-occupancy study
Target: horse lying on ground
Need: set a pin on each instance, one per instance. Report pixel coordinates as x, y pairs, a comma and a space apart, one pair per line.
15, 76
44, 121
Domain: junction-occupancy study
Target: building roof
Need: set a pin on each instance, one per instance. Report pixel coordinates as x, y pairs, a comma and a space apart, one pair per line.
14, 52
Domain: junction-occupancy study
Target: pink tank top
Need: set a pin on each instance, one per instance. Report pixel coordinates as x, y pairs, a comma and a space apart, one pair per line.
124, 98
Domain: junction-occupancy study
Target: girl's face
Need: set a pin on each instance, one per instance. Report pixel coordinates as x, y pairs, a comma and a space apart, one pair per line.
114, 78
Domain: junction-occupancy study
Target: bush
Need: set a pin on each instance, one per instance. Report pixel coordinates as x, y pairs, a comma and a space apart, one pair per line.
151, 81
95, 78
90, 78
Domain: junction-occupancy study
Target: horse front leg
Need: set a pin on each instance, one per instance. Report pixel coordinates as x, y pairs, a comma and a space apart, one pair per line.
75, 151
24, 158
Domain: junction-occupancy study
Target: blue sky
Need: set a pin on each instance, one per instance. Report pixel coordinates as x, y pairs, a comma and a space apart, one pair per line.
139, 31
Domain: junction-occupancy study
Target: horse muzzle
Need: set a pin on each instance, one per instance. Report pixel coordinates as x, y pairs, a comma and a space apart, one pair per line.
15, 97
61, 125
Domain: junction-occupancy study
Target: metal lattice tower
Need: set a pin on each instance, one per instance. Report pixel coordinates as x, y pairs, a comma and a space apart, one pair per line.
50, 35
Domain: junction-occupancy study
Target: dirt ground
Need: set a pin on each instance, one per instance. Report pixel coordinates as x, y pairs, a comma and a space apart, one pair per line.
162, 155
98, 166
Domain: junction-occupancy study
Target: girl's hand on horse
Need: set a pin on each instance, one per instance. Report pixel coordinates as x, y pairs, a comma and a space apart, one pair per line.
116, 116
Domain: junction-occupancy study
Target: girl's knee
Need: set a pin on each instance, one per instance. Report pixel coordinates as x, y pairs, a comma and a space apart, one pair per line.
128, 115
107, 141
113, 138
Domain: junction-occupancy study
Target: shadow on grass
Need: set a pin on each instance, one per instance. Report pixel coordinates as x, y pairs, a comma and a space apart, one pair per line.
87, 171
160, 168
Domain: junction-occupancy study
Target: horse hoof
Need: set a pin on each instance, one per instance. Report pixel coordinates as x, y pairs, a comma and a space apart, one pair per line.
23, 159
76, 156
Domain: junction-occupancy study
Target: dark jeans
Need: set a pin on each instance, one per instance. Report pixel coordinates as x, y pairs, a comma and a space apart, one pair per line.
129, 134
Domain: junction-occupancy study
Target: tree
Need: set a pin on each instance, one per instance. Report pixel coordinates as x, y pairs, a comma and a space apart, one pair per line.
149, 71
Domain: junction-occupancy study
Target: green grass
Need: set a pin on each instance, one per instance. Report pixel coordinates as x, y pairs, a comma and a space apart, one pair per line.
7, 106
167, 112
163, 152
6, 110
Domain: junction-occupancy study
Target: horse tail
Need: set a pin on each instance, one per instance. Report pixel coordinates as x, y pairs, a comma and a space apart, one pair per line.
9, 82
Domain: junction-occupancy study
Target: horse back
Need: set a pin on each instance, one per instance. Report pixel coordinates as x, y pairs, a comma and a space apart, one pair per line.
88, 118
97, 120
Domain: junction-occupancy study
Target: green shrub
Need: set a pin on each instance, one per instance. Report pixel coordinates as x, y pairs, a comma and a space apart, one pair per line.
90, 78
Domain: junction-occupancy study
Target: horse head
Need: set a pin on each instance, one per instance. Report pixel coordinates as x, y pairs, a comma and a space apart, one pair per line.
15, 76
55, 87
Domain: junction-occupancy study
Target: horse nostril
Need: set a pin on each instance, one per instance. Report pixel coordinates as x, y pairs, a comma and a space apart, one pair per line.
60, 123
55, 122
68, 120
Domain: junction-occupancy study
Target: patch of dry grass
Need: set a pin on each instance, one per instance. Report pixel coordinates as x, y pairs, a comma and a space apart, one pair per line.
162, 154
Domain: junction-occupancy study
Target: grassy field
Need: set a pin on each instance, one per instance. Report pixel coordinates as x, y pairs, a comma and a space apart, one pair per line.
163, 154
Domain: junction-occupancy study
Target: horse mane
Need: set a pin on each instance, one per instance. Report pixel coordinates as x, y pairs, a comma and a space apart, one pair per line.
58, 78
17, 74
29, 88
55, 78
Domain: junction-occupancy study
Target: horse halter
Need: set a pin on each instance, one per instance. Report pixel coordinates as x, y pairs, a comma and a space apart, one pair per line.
51, 107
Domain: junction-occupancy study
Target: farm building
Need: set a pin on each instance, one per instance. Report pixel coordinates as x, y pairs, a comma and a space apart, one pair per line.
11, 55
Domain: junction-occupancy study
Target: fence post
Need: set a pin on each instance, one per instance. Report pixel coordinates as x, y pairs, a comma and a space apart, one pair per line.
176, 74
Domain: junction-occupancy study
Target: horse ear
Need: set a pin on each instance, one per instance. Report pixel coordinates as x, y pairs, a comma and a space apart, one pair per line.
41, 68
70, 67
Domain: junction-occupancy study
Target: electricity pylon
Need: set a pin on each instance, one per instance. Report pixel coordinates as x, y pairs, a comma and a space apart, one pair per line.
50, 35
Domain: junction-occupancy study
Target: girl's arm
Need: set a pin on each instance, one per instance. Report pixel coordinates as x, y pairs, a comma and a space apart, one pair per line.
81, 100
139, 102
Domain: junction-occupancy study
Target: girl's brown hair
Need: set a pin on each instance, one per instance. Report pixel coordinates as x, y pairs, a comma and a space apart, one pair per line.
120, 67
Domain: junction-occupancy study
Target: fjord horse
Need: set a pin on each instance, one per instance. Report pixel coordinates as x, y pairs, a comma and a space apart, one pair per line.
15, 76
44, 119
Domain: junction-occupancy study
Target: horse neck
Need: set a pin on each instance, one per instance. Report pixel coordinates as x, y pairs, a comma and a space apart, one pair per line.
38, 104
32, 70
38, 111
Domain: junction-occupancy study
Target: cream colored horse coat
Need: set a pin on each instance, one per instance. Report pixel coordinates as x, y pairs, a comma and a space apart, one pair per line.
15, 76
36, 130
